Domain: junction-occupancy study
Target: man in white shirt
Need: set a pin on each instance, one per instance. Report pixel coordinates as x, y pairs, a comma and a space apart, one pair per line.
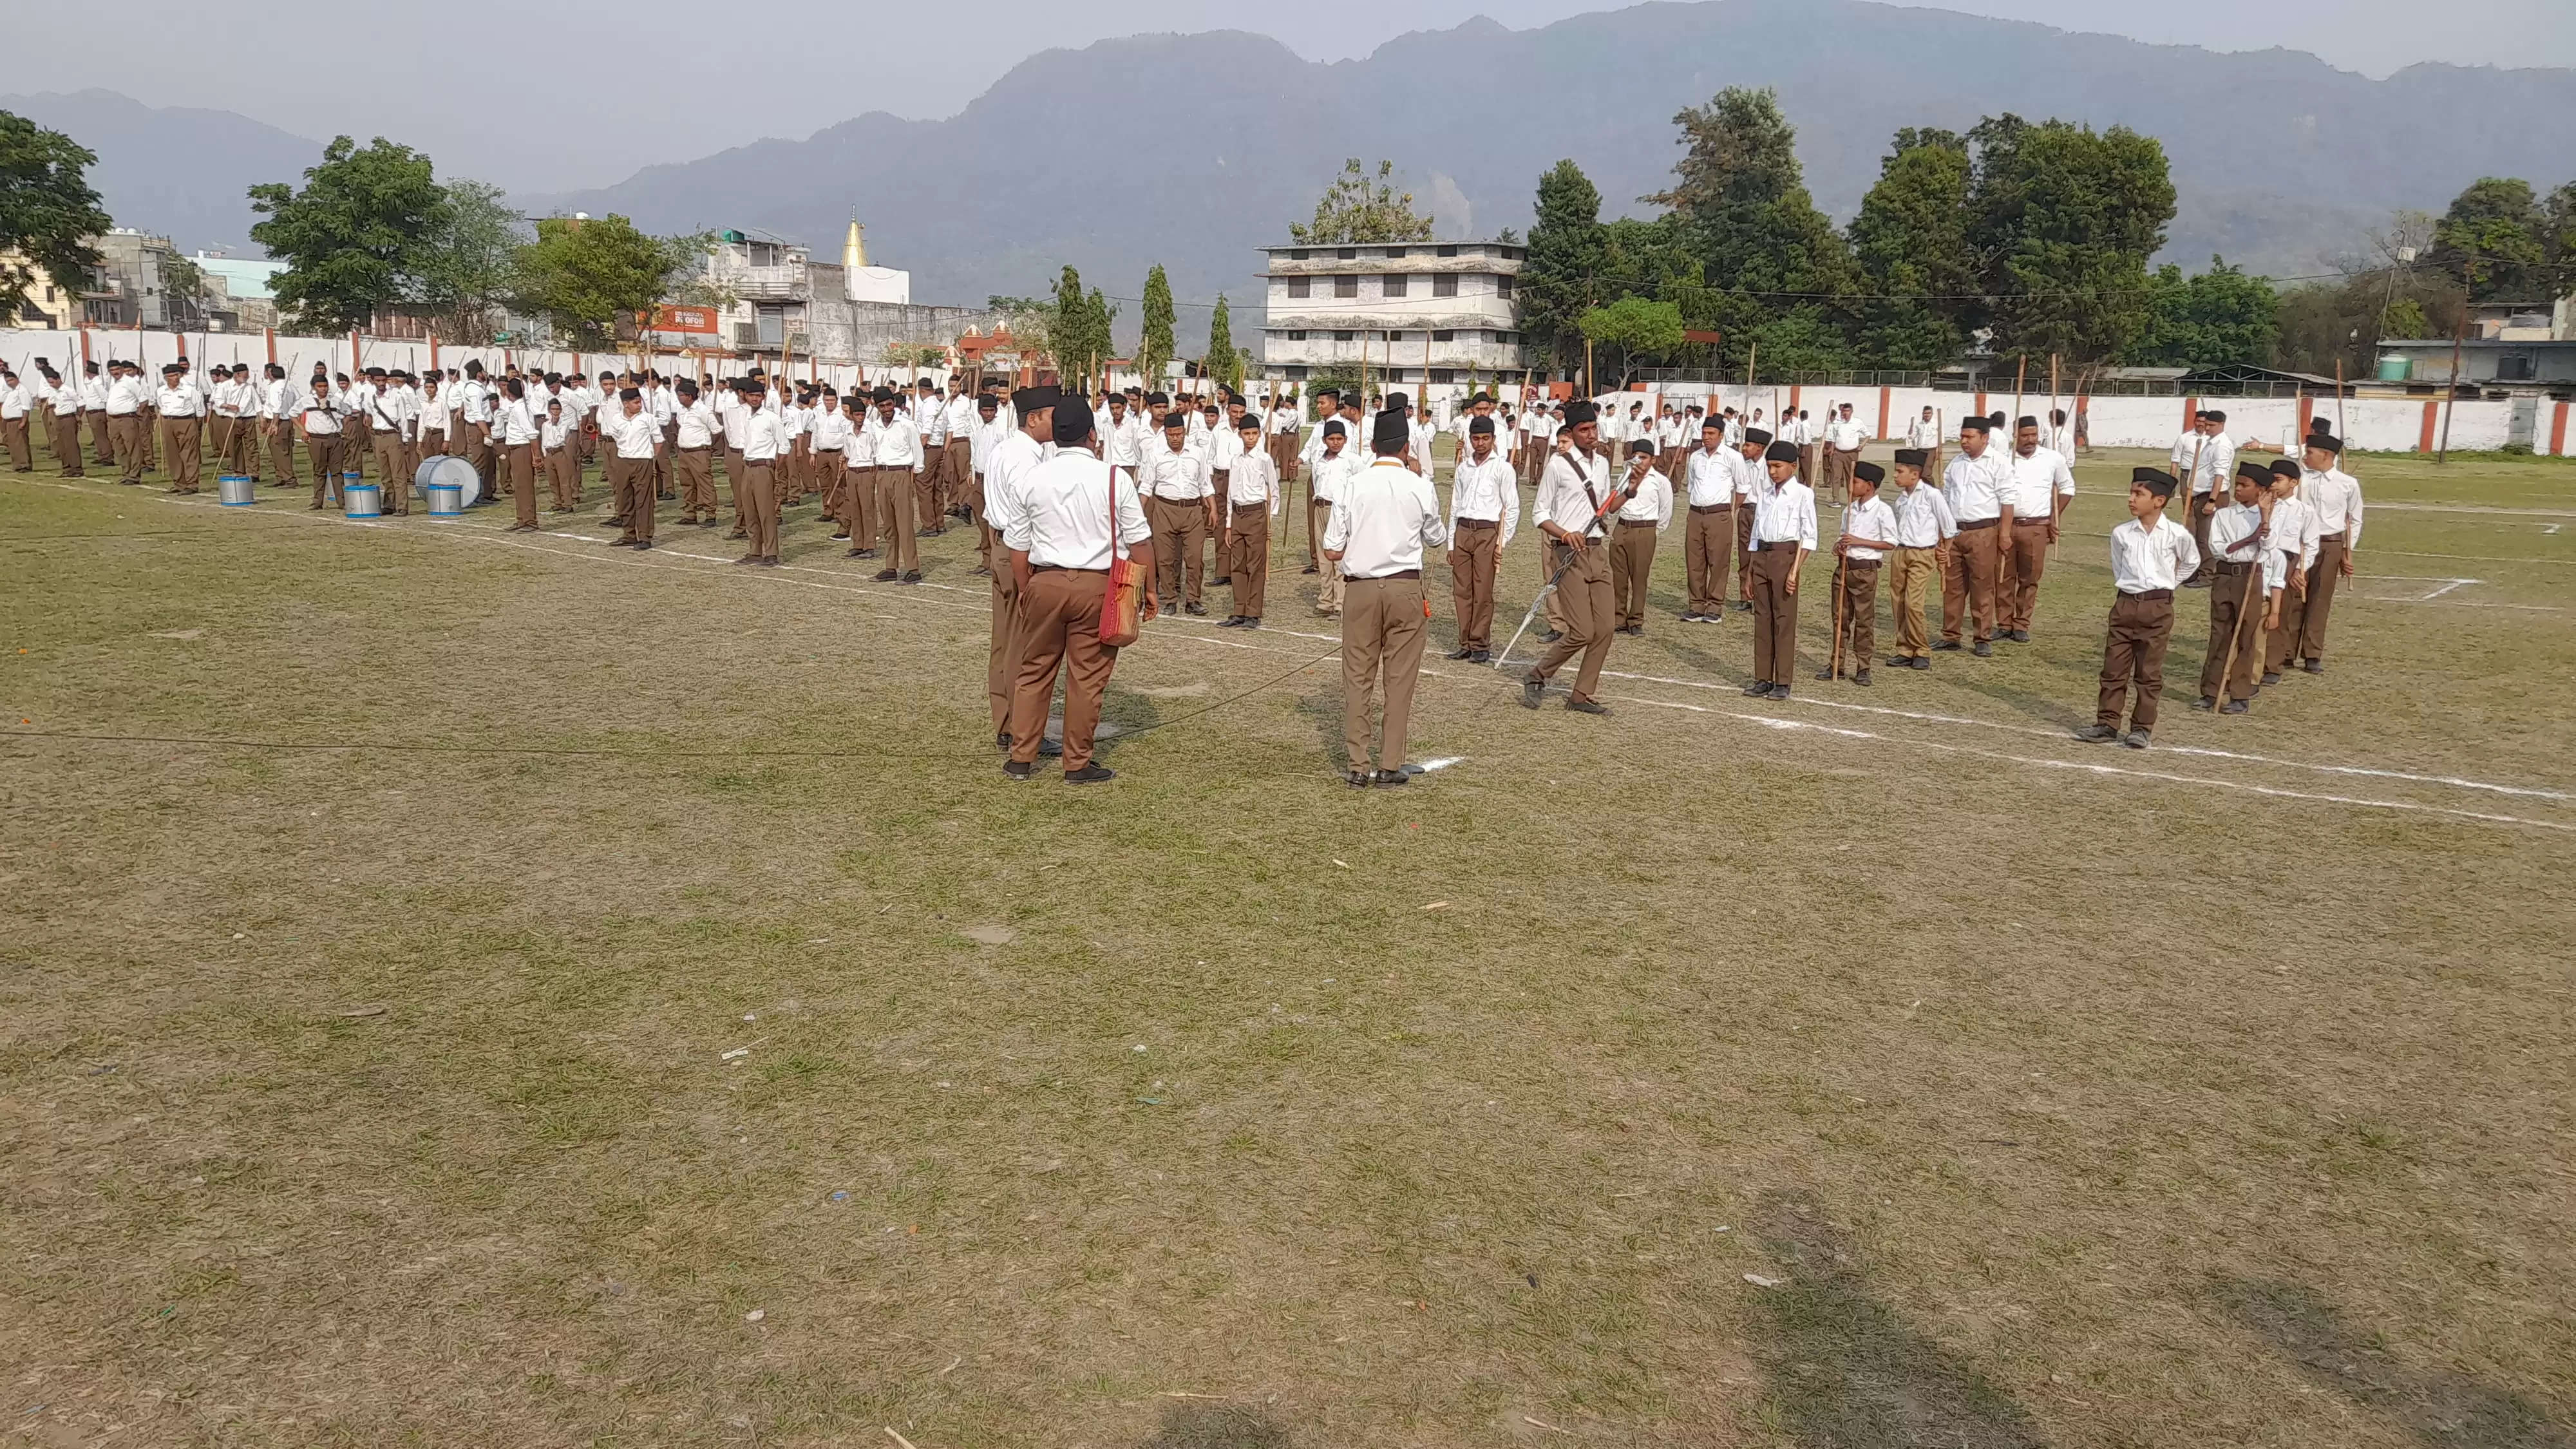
900, 462
1072, 515
2150, 555
1708, 481
1868, 537
225, 404
1924, 435
1181, 505
467, 432
1641, 521
121, 404
633, 439
1570, 511
1484, 513
182, 410
764, 449
93, 409
16, 402
693, 451
1384, 516
1009, 461
514, 432
1253, 498
2333, 497
1844, 437
2245, 595
1784, 533
1323, 477
2298, 536
2204, 459
1923, 527
957, 423
1419, 432
1979, 490
2043, 489
317, 414
383, 423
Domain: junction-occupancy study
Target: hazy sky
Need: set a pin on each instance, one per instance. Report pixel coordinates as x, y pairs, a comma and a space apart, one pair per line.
536, 97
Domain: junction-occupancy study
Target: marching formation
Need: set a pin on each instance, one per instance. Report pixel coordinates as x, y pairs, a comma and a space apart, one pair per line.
1093, 514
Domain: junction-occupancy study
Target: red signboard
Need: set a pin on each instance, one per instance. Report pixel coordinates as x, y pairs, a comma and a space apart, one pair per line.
667, 318
1688, 335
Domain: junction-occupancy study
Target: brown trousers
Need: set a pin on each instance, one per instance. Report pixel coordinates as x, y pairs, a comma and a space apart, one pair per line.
2133, 657
694, 471
102, 436
897, 531
2236, 609
760, 511
2025, 559
13, 438
2322, 576
390, 461
281, 451
1708, 536
1247, 559
2281, 645
1907, 588
1856, 621
1968, 567
1744, 550
2200, 518
66, 444
1632, 562
929, 485
322, 450
1475, 552
1584, 608
859, 505
479, 453
1382, 639
831, 479
1059, 628
1775, 615
519, 463
180, 442
630, 496
958, 480
125, 441
1002, 658
1180, 556
563, 474
1838, 471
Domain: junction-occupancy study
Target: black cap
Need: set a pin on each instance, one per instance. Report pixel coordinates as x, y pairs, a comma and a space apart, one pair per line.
2284, 468
2259, 472
2323, 439
1642, 448
1390, 433
170, 367
2026, 423
1031, 399
1072, 420
1333, 429
1757, 436
1176, 418
882, 395
1869, 473
1480, 427
1913, 457
1974, 424
1581, 411
2155, 480
1780, 453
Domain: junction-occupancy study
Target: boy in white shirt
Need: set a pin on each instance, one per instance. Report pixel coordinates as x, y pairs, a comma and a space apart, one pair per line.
2150, 557
1641, 522
1868, 535
1923, 524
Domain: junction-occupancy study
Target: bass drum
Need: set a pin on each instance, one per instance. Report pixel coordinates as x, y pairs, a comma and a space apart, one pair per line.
446, 469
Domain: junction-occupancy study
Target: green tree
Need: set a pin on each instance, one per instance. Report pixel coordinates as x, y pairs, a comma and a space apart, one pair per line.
470, 268
356, 234
2066, 218
2220, 316
48, 211
1910, 240
2492, 241
1632, 330
1224, 359
585, 276
2558, 241
1077, 327
1155, 347
1558, 280
1360, 208
1741, 199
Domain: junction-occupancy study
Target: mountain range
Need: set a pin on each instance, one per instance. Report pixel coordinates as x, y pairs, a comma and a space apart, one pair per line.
1194, 150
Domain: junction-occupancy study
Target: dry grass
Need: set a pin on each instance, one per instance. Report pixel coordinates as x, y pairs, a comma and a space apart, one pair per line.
2063, 1106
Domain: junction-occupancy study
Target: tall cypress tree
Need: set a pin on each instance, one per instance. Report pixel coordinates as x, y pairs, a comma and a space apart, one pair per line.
1156, 347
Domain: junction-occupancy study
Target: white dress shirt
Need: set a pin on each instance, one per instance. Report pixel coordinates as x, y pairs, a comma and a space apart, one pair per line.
124, 397
554, 432
1122, 440
2234, 524
1978, 487
1064, 508
1253, 480
15, 401
2295, 532
697, 425
764, 437
1924, 433
2038, 480
1177, 476
1922, 517
1383, 517
183, 401
960, 420
898, 444
1490, 492
514, 426
1571, 489
2143, 559
1010, 460
1652, 500
1784, 513
320, 417
2335, 497
833, 432
1325, 477
637, 437
2205, 459
1710, 477
1846, 434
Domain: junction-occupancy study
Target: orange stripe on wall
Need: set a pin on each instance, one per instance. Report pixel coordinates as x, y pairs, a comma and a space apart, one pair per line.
2424, 441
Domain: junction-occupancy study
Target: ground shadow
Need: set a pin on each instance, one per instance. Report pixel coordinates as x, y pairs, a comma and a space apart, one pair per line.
1217, 1426
1846, 1369
2437, 1406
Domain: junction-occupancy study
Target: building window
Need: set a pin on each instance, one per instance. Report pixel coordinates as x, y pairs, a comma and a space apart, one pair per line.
1301, 286
1348, 254
1502, 286
1342, 337
2517, 367
1444, 336
1346, 286
1448, 251
1444, 374
1295, 372
1296, 336
1445, 285
1298, 255
1392, 284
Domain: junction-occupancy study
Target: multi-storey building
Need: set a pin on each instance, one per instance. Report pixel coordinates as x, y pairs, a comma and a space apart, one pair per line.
1430, 312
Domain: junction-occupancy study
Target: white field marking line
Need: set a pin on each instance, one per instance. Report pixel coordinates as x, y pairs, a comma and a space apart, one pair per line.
2082, 767
494, 535
1926, 717
2472, 508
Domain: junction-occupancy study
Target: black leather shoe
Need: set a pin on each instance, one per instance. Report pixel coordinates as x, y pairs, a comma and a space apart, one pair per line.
1197, 609
1551, 636
1744, 606
2138, 739
1982, 649
642, 544
2206, 704
1825, 674
2270, 678
1861, 678
2097, 734
2313, 666
2019, 636
1586, 706
1533, 689
1461, 654
912, 576
1090, 775
1779, 691
1309, 569
1758, 689
2236, 706
1014, 770
1481, 656
885, 576
1356, 779
1250, 623
1922, 661
1946, 644
1391, 777
1001, 739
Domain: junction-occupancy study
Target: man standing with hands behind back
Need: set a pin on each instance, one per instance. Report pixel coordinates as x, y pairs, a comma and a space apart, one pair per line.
1383, 518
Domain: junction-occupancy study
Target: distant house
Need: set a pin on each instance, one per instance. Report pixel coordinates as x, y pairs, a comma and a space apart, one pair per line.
2511, 349
1420, 312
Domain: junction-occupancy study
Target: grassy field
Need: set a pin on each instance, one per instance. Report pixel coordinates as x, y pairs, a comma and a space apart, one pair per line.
461, 989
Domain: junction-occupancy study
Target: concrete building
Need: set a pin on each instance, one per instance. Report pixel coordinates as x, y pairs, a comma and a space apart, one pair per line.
1421, 312
248, 284
2511, 349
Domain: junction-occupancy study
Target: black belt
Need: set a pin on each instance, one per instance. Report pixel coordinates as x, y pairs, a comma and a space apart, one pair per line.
711, 448
2227, 567
2151, 595
1480, 523
1855, 565
1712, 507
1251, 507
1773, 545
1039, 568
1637, 523
2336, 537
1980, 523
1380, 578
